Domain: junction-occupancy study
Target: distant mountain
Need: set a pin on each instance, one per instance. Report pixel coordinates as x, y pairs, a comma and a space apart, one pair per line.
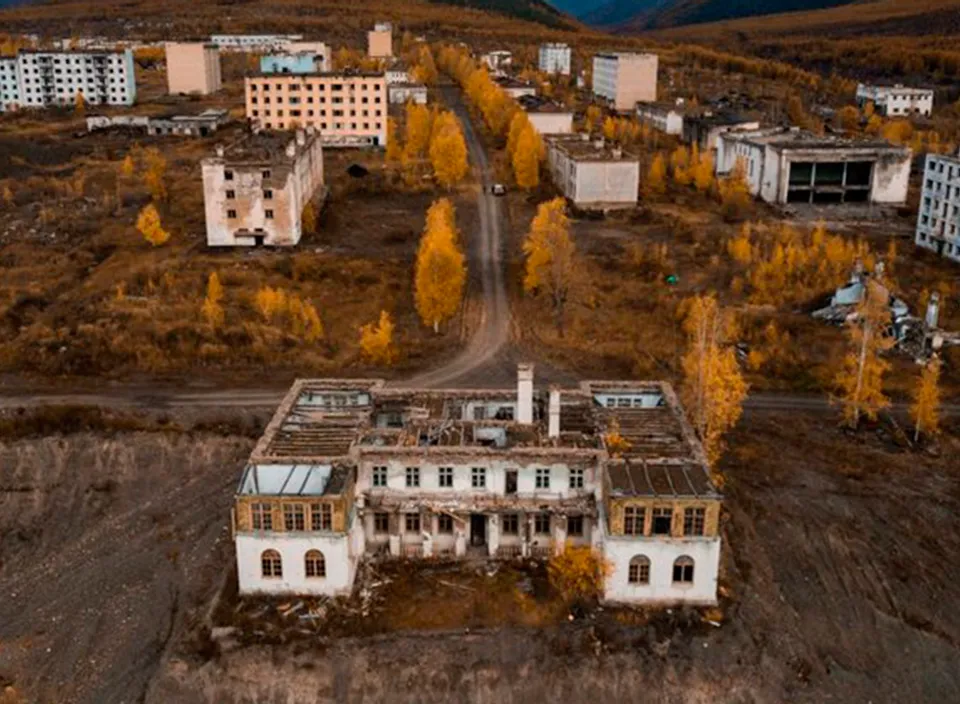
532, 10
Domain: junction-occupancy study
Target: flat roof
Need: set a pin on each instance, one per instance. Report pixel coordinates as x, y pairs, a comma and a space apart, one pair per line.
721, 118
535, 103
580, 149
781, 139
319, 74
263, 147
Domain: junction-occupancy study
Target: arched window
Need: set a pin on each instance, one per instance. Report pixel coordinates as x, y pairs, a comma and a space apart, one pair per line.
271, 564
639, 570
314, 564
683, 570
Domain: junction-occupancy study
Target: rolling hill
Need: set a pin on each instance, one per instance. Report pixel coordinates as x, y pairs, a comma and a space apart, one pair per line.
651, 14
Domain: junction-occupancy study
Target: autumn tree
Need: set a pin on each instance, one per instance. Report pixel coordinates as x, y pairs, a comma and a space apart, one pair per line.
7, 195
425, 70
713, 388
680, 166
734, 191
593, 118
925, 409
860, 381
417, 130
551, 264
526, 159
212, 310
394, 145
308, 218
128, 166
154, 177
610, 129
656, 182
578, 573
448, 150
440, 273
80, 104
703, 171
848, 119
518, 124
148, 223
376, 340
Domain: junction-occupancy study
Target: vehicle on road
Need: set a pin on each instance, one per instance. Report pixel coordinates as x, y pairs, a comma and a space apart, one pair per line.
498, 189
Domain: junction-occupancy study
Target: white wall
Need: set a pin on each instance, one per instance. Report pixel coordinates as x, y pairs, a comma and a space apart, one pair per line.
341, 568
607, 182
662, 553
891, 179
551, 122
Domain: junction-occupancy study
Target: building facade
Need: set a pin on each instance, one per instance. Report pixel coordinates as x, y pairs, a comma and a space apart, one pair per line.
254, 42
351, 468
401, 93
380, 41
938, 222
192, 68
591, 174
200, 125
790, 166
302, 62
663, 117
321, 50
896, 101
555, 58
347, 109
38, 79
705, 129
254, 192
547, 117
497, 60
623, 80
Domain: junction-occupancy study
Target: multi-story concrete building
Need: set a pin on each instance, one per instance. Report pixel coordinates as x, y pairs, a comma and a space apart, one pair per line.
254, 42
380, 41
555, 58
299, 63
547, 117
938, 221
353, 468
37, 79
193, 68
401, 93
347, 109
200, 125
896, 101
663, 117
254, 192
592, 174
788, 165
321, 50
623, 80
704, 129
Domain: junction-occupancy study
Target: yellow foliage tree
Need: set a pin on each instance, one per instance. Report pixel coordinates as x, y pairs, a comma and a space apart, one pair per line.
657, 176
740, 247
860, 381
518, 124
680, 166
734, 191
925, 409
593, 118
551, 265
270, 303
148, 223
7, 195
155, 176
212, 310
394, 146
713, 389
848, 119
703, 171
128, 167
610, 129
80, 104
426, 69
418, 126
578, 573
448, 150
440, 273
376, 340
526, 159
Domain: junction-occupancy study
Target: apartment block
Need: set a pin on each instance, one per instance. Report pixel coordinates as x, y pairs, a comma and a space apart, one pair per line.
352, 469
897, 100
546, 116
592, 174
705, 128
199, 125
623, 80
192, 68
402, 93
37, 79
254, 191
555, 58
380, 41
254, 42
302, 62
788, 165
347, 109
939, 218
321, 50
663, 117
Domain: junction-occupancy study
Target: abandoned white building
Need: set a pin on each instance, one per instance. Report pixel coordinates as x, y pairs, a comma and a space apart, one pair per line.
938, 221
353, 468
704, 129
254, 191
663, 117
200, 125
896, 101
592, 174
401, 93
787, 165
254, 42
546, 116
497, 60
623, 80
555, 57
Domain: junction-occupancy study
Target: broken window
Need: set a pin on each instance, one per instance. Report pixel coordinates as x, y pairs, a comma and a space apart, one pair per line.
480, 413
381, 522
271, 565
227, 175
693, 521
232, 214
478, 477
634, 518
575, 525
261, 516
541, 524
543, 478
412, 522
445, 523
639, 570
268, 214
859, 173
314, 565
662, 518
446, 477
267, 194
379, 476
511, 481
321, 516
683, 570
576, 478
294, 517
231, 195
511, 524
413, 477
504, 412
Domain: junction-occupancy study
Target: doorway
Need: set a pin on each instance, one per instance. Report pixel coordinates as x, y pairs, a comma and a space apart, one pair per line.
478, 530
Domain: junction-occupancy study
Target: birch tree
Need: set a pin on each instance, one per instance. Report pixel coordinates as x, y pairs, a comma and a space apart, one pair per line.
551, 264
925, 410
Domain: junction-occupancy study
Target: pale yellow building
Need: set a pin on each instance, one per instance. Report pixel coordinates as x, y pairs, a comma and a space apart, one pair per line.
193, 68
623, 80
347, 109
380, 41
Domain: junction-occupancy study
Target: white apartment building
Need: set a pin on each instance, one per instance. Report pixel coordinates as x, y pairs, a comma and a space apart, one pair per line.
546, 116
897, 100
496, 60
663, 117
623, 80
254, 42
938, 222
254, 192
351, 468
37, 79
402, 93
592, 174
555, 58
